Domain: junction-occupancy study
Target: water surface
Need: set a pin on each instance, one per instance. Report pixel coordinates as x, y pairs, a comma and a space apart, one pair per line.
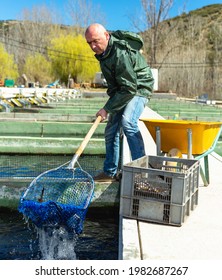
20, 241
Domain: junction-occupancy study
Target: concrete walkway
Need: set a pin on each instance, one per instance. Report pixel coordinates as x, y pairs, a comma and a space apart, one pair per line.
199, 237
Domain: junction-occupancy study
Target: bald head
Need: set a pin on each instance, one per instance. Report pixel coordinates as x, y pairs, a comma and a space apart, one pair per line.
95, 27
97, 37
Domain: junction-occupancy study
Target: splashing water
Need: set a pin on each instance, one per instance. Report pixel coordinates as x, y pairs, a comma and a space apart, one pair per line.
56, 243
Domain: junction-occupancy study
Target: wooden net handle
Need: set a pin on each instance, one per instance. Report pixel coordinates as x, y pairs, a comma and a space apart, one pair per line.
86, 140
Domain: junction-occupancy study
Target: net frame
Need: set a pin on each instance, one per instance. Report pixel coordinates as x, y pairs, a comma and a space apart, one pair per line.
58, 197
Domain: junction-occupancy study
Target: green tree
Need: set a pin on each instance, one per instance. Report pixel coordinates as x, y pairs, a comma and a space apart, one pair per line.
38, 69
72, 57
8, 68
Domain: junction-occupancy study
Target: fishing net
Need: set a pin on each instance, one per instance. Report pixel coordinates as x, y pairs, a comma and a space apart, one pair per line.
61, 196
58, 197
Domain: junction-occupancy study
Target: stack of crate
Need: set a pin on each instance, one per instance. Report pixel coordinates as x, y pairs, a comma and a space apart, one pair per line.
160, 189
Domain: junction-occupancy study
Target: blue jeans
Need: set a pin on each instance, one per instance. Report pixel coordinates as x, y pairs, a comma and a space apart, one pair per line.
127, 119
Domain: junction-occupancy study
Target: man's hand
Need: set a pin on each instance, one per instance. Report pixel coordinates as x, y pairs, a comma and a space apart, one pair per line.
102, 113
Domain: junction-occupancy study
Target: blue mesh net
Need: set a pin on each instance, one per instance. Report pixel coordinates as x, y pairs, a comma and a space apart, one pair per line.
59, 197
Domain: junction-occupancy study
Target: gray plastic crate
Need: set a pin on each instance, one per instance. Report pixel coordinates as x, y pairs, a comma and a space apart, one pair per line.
154, 178
152, 190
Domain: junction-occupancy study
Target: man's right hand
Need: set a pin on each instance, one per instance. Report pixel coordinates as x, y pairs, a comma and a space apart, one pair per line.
102, 112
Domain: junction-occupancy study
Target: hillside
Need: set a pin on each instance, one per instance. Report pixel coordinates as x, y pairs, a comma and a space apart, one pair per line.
189, 53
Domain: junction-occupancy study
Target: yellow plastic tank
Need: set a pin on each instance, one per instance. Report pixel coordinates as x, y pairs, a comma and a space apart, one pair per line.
174, 134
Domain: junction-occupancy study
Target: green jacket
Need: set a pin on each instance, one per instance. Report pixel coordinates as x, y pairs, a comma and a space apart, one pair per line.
125, 70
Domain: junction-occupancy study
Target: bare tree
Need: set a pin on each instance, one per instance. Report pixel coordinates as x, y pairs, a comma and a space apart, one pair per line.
83, 13
149, 23
32, 33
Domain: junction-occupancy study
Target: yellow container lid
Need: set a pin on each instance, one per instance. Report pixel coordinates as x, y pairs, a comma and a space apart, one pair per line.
174, 134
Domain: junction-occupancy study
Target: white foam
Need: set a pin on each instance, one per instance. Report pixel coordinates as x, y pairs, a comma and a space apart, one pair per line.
57, 244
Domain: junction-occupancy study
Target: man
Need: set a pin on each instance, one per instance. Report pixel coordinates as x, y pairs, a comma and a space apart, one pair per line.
130, 85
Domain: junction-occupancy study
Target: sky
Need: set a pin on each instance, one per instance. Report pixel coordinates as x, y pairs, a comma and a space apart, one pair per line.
117, 13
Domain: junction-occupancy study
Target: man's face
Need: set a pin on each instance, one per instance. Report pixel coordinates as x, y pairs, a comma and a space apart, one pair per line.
98, 40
